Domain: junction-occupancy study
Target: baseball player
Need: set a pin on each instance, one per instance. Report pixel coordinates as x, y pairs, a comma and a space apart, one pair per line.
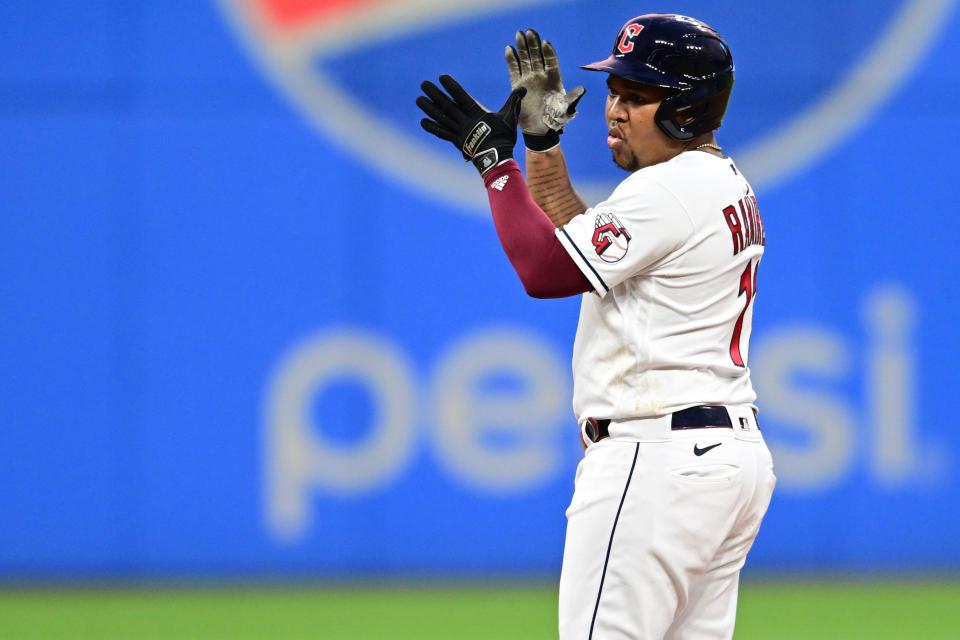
676, 476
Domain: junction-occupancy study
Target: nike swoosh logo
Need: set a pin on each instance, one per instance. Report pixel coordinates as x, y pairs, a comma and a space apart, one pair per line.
697, 451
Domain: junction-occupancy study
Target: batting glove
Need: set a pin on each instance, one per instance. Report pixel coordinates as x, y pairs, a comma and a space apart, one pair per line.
547, 108
485, 138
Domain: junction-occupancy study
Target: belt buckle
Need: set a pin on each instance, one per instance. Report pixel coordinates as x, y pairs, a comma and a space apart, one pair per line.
591, 429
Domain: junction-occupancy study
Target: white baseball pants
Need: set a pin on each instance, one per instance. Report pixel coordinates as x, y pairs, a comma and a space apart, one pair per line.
657, 535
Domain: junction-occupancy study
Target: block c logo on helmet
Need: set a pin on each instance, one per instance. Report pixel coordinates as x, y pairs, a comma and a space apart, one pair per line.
630, 32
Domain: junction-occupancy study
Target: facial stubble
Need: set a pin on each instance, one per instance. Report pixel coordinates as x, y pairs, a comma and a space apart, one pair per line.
629, 165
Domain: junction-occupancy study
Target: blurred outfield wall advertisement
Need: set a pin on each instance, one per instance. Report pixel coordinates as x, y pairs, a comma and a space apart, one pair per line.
258, 323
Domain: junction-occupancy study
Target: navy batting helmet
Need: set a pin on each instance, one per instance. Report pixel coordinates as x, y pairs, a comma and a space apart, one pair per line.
679, 53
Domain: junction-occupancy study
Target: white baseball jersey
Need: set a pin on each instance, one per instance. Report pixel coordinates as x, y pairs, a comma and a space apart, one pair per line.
672, 256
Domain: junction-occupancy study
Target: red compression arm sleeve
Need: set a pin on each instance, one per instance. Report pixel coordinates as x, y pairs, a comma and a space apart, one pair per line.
529, 239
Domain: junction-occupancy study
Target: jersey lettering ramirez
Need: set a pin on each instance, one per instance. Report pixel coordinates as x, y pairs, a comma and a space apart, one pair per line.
673, 257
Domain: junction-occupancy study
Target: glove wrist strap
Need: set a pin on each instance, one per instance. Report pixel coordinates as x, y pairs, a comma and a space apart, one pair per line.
541, 143
487, 160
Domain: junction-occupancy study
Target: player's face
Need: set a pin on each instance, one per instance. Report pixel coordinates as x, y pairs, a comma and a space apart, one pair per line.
633, 135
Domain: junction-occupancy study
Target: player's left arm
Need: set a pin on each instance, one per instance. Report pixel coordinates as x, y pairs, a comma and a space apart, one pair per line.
529, 238
487, 139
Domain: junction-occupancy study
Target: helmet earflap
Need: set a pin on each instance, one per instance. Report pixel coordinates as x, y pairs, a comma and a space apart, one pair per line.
695, 111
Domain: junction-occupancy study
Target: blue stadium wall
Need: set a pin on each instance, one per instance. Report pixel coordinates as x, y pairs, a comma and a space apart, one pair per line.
256, 323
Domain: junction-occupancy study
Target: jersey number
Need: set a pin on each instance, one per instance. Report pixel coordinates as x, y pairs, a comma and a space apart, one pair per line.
748, 286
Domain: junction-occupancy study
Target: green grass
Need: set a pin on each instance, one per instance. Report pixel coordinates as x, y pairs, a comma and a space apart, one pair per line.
780, 611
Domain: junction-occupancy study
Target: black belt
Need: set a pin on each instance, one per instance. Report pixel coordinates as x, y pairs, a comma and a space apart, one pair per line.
702, 417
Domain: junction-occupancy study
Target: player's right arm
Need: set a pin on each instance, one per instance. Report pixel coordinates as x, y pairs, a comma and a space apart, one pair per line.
545, 110
550, 186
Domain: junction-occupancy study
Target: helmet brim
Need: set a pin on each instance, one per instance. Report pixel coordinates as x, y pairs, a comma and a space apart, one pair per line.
630, 70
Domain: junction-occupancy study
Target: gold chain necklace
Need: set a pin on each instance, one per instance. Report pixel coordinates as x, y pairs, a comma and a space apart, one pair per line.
709, 145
